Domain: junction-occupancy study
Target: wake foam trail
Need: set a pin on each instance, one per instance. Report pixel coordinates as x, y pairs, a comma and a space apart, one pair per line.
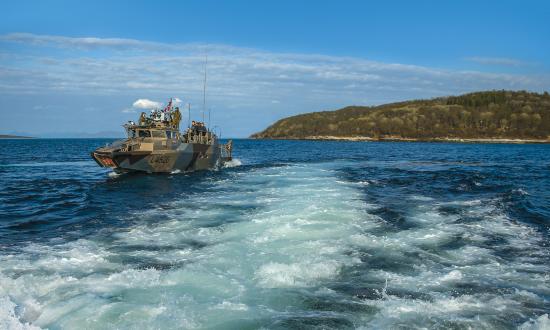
540, 323
113, 174
289, 246
244, 247
232, 163
473, 267
8, 316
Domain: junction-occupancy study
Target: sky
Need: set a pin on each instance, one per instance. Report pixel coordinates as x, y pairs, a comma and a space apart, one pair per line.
74, 68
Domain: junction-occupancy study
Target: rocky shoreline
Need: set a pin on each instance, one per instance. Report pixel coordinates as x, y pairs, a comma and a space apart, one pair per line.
401, 139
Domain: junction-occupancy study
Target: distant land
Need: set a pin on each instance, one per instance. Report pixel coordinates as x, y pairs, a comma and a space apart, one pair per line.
488, 116
65, 135
7, 136
84, 135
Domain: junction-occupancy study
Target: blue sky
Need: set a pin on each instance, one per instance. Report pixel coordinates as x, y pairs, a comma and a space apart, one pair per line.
70, 67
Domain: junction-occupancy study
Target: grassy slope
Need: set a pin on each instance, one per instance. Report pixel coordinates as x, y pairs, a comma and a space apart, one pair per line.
481, 115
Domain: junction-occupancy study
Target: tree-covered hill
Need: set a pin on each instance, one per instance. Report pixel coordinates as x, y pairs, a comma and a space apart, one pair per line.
480, 115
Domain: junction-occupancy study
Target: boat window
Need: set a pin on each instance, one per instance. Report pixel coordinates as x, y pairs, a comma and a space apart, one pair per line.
169, 134
159, 134
144, 133
131, 133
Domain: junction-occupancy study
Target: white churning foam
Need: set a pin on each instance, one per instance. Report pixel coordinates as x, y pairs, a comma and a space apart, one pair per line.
233, 163
231, 248
237, 252
503, 286
540, 323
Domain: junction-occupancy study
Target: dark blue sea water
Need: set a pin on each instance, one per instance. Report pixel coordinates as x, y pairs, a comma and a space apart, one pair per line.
291, 235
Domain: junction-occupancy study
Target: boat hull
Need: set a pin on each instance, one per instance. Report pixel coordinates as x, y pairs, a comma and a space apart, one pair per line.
186, 157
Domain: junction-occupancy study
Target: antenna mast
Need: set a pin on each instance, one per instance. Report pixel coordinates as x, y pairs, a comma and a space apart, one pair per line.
188, 115
204, 87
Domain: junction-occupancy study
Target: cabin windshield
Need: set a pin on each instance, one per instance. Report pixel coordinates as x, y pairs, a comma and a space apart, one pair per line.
159, 134
144, 133
171, 134
131, 133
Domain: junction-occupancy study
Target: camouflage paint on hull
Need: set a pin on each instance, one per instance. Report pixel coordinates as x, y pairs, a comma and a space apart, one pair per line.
182, 156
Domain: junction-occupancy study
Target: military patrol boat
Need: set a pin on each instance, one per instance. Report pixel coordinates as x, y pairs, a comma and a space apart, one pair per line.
155, 145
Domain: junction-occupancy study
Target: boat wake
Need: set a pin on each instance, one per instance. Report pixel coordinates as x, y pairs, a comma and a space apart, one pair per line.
232, 163
213, 252
333, 244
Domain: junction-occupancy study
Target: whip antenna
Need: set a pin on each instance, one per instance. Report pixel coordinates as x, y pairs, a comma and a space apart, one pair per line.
204, 87
188, 115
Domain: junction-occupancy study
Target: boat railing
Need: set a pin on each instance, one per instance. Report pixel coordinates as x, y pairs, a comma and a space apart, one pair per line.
132, 144
199, 137
226, 150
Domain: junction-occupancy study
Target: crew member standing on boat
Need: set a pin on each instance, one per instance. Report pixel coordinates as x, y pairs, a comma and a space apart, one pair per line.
176, 118
142, 119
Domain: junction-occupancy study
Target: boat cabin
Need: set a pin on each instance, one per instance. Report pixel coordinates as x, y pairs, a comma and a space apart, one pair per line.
147, 132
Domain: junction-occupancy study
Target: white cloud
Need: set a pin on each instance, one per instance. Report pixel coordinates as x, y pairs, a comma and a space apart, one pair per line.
71, 42
242, 82
146, 104
503, 61
167, 69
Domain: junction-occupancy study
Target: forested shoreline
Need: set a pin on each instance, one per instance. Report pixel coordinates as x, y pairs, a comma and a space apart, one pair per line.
479, 115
